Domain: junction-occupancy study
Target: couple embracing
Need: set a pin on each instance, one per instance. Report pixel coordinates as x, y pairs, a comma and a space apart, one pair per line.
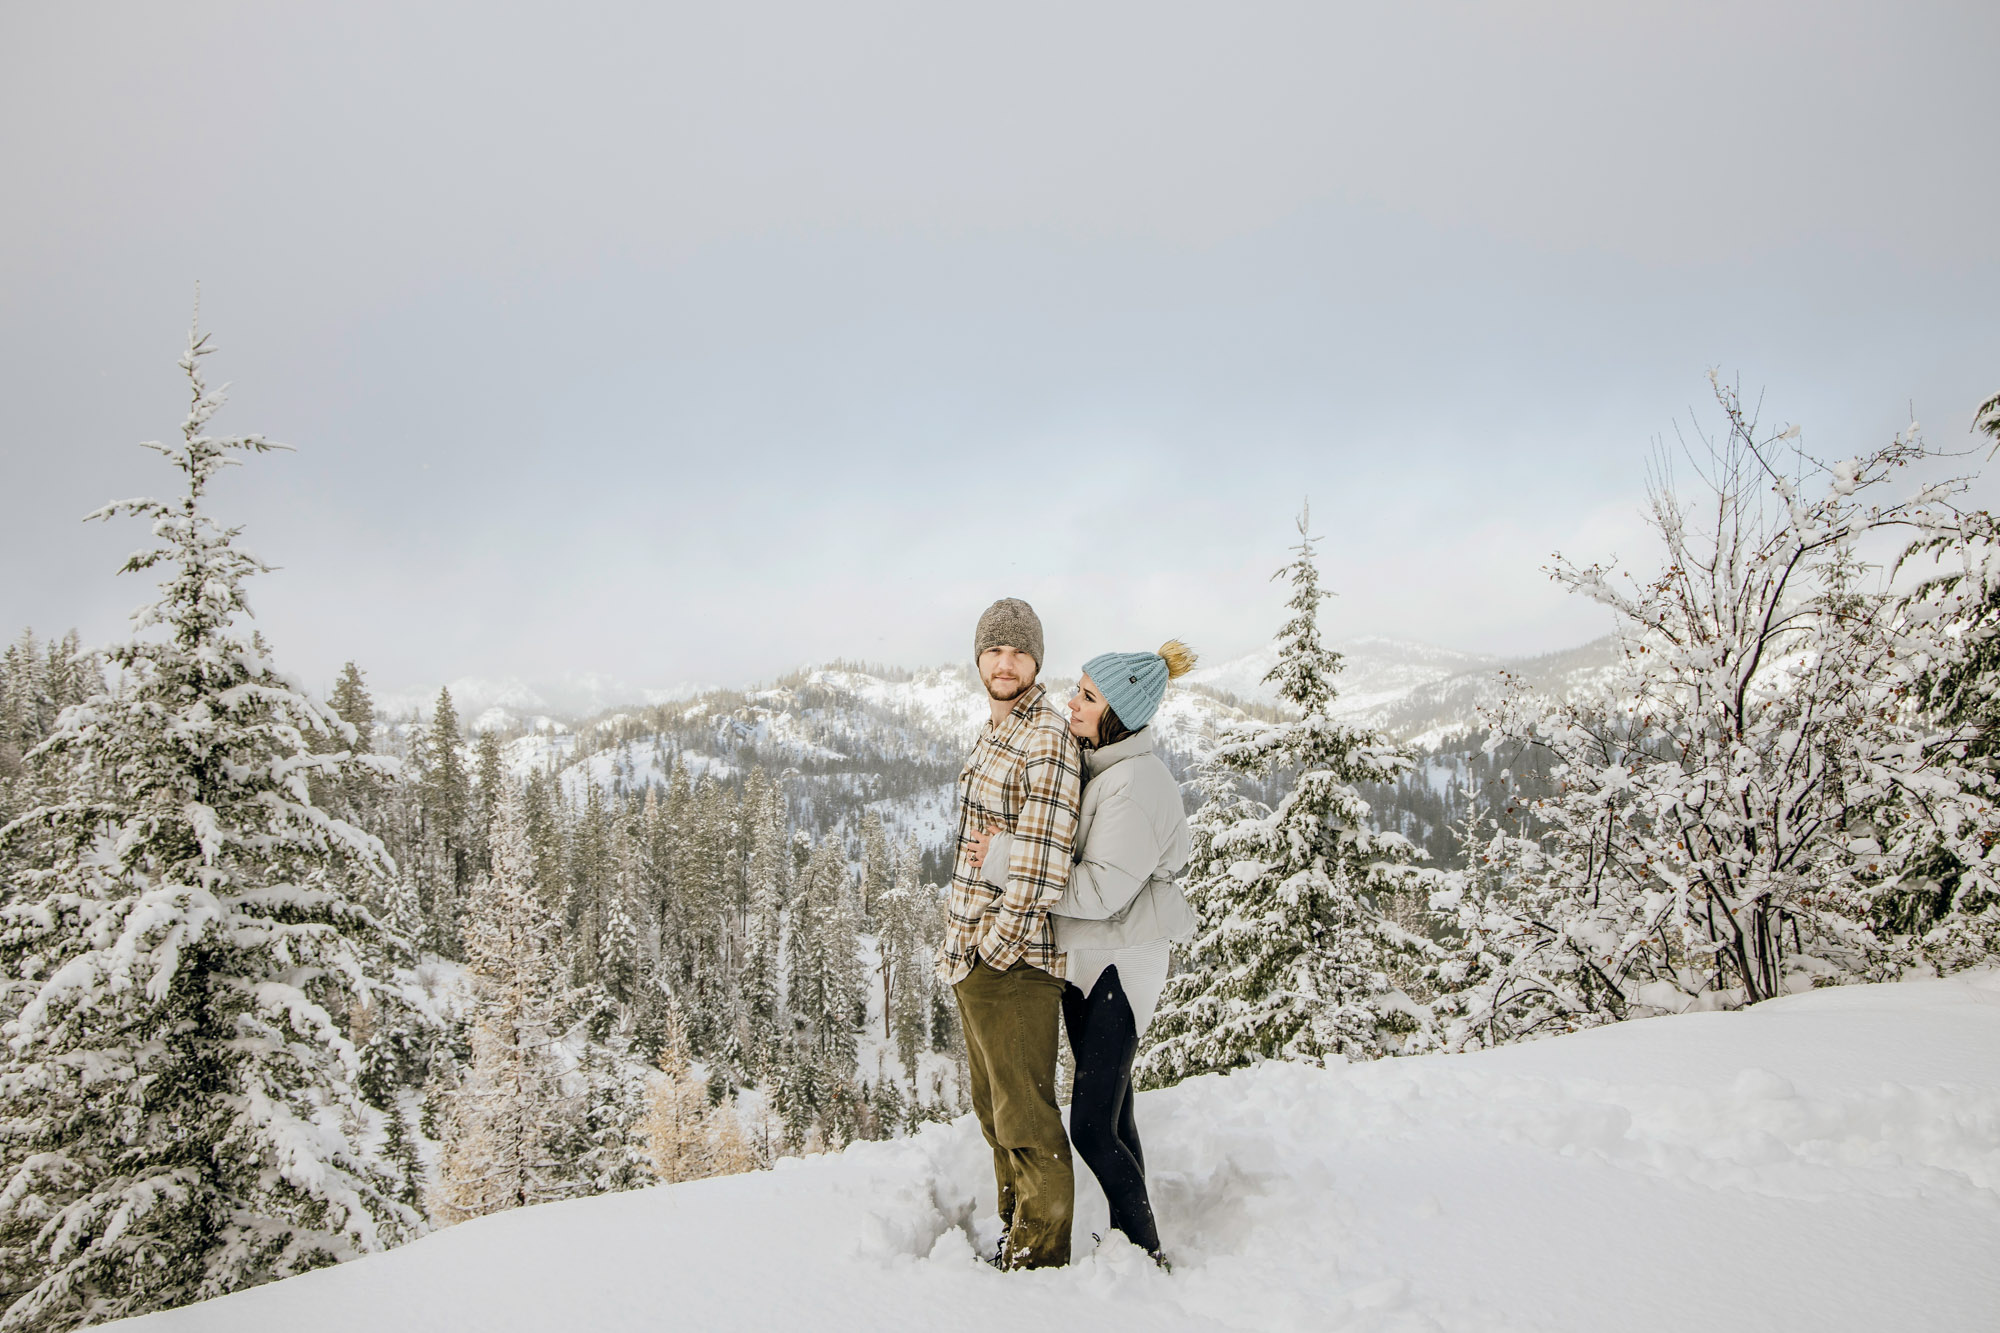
1063, 904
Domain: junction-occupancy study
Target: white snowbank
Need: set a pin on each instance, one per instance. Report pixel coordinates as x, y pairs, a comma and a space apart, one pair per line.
1828, 1161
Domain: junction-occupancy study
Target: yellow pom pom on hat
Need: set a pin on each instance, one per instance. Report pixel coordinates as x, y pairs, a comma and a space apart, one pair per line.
1134, 683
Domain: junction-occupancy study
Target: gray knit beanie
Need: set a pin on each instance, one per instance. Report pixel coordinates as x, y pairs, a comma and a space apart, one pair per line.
1009, 623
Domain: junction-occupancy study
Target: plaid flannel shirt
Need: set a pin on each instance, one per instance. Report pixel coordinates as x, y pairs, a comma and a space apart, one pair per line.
1026, 775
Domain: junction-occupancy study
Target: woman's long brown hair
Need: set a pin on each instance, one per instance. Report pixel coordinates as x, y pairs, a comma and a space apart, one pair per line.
1111, 728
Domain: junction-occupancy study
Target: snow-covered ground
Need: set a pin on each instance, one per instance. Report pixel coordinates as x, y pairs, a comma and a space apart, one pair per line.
1830, 1161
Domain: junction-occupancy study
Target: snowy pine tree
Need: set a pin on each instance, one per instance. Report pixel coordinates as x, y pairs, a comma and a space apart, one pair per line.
36, 683
445, 801
490, 767
877, 874
825, 960
357, 797
706, 899
905, 916
613, 1092
182, 1116
542, 807
510, 1110
762, 994
1293, 958
592, 870
1943, 899
655, 838
619, 957
350, 699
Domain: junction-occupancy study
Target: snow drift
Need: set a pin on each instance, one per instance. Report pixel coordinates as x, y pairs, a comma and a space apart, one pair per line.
1826, 1161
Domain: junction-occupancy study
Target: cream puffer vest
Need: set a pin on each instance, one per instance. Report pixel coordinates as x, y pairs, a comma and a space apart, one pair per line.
1131, 840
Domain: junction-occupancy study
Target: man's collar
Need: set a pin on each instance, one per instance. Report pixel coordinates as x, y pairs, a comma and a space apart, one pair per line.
1026, 704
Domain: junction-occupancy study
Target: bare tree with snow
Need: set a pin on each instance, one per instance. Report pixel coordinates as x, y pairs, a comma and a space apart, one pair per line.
1758, 777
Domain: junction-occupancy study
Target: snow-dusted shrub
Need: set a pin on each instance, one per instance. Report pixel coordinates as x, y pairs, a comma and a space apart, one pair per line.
1757, 780
688, 1136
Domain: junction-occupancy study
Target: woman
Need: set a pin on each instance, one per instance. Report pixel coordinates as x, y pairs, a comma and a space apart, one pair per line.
1118, 914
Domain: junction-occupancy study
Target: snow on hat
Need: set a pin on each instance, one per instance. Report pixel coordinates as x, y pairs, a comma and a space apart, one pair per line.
1134, 683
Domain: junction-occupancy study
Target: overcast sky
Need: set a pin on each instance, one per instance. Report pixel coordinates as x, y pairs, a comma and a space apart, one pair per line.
696, 342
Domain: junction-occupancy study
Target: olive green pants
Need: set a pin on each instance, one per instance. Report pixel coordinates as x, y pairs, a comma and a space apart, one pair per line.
1011, 1019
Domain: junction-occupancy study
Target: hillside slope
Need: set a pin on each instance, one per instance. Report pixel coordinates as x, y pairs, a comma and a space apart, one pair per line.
1829, 1161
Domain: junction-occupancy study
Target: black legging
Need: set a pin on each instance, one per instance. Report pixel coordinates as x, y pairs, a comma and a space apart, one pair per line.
1104, 1038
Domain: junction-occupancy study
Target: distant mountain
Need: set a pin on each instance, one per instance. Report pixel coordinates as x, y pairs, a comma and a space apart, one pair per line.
845, 740
1375, 672
1418, 692
1435, 710
849, 739
1410, 688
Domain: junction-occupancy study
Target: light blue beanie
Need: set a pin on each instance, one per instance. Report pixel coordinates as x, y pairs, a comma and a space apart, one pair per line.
1134, 683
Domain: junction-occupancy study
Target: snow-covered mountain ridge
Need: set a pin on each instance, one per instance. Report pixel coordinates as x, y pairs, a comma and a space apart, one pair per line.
846, 740
850, 739
1373, 671
1402, 685
1828, 1161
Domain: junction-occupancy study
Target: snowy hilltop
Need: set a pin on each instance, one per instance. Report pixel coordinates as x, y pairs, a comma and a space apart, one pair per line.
1792, 1166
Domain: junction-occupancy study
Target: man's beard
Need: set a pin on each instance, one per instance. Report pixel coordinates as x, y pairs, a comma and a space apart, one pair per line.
1003, 692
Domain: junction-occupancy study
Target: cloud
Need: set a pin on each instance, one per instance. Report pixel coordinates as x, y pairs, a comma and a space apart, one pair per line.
691, 344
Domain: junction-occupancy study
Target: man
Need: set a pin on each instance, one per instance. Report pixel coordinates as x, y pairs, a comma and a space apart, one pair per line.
1025, 775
